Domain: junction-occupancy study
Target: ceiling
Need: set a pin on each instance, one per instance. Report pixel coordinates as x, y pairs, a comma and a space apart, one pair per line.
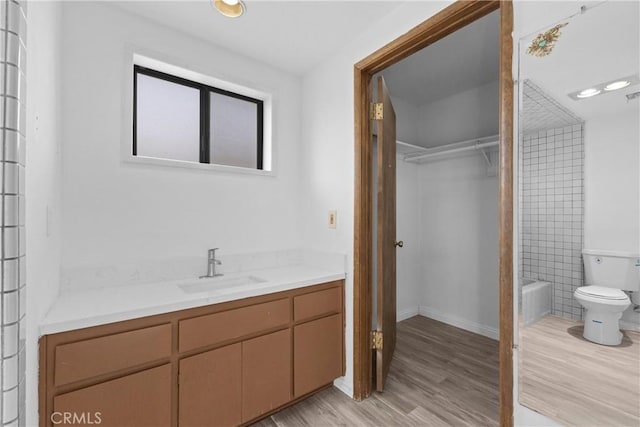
598, 46
465, 59
292, 36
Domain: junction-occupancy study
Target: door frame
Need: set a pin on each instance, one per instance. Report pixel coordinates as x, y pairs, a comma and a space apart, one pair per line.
445, 22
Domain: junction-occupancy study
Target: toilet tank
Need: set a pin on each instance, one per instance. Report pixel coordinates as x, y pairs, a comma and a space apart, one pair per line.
611, 269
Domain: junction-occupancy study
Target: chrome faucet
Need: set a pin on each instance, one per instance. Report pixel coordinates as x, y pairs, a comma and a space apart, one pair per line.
211, 265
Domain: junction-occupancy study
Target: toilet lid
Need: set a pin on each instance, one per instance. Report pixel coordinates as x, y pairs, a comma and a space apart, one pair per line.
602, 292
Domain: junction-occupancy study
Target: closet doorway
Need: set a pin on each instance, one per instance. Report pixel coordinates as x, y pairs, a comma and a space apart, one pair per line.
451, 19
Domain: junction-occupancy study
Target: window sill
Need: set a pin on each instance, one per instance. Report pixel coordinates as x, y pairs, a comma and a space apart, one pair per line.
141, 160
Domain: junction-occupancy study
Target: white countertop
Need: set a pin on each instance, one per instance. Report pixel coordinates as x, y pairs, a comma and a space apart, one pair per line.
92, 307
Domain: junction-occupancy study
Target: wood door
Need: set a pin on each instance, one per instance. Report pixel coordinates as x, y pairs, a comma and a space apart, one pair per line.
317, 354
136, 400
210, 388
386, 257
266, 374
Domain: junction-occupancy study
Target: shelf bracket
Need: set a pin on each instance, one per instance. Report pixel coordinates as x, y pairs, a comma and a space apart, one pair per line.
486, 157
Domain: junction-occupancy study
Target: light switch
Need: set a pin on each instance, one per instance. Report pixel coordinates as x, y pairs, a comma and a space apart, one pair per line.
333, 218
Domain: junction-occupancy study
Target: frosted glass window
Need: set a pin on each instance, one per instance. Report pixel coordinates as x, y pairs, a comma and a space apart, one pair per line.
180, 119
233, 132
167, 119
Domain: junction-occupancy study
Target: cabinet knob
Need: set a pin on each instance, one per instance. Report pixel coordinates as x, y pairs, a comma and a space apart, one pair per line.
399, 243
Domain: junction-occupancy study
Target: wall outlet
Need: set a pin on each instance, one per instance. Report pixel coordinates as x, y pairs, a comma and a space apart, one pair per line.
333, 219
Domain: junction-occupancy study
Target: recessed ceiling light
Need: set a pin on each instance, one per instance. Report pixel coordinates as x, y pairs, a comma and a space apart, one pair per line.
617, 85
229, 8
607, 86
588, 92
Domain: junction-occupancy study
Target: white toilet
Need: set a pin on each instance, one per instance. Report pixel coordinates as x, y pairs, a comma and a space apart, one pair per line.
607, 275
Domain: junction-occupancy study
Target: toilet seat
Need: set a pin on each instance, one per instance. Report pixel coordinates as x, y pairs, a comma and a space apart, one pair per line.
600, 292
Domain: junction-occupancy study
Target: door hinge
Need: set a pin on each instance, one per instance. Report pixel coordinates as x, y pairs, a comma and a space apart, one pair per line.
376, 111
376, 340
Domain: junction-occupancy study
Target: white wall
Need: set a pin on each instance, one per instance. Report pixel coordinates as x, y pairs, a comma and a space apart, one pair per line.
408, 228
612, 188
450, 211
529, 17
612, 182
463, 116
459, 233
328, 140
407, 216
119, 212
408, 222
447, 214
328, 135
105, 220
408, 269
42, 180
407, 121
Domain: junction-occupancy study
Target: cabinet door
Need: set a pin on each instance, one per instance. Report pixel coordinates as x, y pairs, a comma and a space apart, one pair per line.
317, 355
209, 393
141, 399
266, 373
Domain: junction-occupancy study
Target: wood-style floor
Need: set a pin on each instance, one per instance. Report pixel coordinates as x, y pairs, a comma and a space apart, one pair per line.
575, 381
440, 376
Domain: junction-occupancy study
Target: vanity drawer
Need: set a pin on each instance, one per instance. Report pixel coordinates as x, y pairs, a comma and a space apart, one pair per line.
89, 358
227, 325
136, 400
328, 301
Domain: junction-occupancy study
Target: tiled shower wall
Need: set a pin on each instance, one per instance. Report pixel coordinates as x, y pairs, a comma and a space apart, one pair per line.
12, 161
552, 208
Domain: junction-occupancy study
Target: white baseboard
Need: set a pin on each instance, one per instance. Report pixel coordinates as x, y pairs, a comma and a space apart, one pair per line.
407, 313
345, 385
629, 326
459, 322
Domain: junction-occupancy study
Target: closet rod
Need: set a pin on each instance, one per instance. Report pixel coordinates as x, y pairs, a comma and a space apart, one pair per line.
406, 144
438, 152
451, 151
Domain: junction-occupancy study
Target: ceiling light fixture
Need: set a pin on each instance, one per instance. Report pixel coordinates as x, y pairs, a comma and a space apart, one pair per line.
229, 8
588, 93
617, 85
605, 87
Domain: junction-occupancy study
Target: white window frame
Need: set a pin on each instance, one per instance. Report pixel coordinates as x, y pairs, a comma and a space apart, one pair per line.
144, 60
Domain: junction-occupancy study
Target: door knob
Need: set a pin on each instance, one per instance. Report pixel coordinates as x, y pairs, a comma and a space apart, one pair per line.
399, 243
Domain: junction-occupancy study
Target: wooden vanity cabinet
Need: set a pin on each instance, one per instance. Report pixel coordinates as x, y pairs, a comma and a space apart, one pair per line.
225, 364
210, 388
236, 383
318, 339
136, 400
317, 353
266, 374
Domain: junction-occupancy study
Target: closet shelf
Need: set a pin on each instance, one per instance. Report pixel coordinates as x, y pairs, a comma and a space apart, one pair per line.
419, 154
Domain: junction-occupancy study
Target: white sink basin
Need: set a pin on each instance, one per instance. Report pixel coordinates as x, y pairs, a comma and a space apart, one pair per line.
216, 283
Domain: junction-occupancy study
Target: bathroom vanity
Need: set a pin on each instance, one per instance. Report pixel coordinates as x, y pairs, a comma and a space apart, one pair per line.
227, 363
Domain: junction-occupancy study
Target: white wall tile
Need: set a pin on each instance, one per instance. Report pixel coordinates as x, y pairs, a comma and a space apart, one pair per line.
13, 113
10, 308
9, 405
552, 211
10, 340
10, 275
10, 372
11, 242
11, 213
